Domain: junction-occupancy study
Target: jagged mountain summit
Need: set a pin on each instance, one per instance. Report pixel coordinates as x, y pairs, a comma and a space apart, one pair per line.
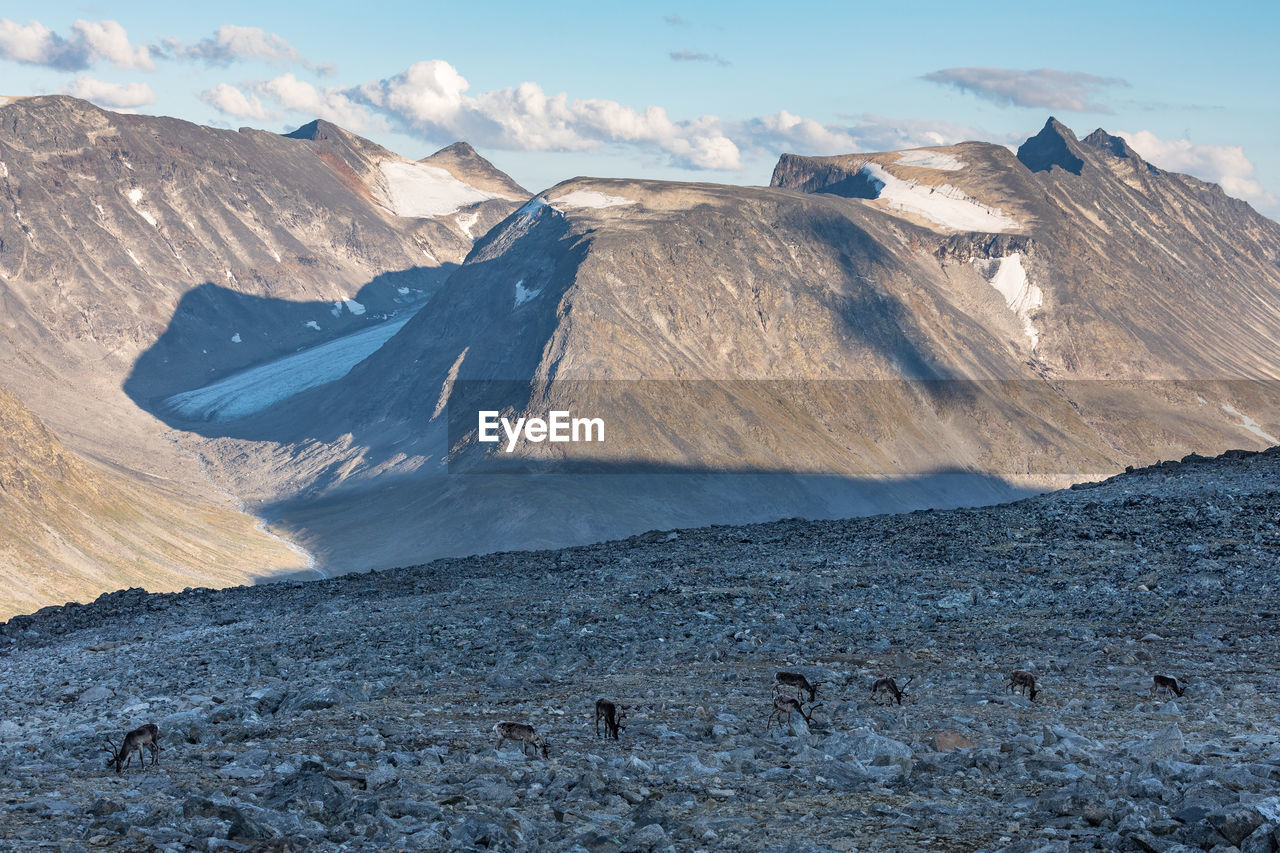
872, 332
141, 257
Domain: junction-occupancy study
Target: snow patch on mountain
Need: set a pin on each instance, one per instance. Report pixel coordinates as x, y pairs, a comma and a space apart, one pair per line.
1009, 278
419, 190
1251, 425
135, 198
465, 221
926, 159
943, 204
258, 387
524, 294
589, 198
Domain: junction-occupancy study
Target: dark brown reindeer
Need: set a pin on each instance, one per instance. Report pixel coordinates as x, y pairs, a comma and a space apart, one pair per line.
1021, 680
890, 688
144, 736
787, 704
796, 680
1167, 685
613, 716
522, 734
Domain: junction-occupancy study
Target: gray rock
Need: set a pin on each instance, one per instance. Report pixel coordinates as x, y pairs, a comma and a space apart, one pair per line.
96, 693
1166, 743
1235, 823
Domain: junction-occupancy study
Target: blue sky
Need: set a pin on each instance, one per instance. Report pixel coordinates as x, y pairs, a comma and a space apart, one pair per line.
710, 91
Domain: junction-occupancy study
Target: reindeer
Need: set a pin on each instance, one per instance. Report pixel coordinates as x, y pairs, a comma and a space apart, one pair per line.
612, 715
796, 680
786, 703
1020, 678
1165, 684
890, 688
522, 734
146, 735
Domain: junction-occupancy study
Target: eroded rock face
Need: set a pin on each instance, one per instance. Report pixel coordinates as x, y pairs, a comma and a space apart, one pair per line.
357, 713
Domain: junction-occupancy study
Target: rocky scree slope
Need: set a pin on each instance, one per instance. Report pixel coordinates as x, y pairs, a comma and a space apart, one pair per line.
357, 713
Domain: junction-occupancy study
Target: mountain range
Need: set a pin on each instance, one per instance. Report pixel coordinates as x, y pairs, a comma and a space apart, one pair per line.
304, 328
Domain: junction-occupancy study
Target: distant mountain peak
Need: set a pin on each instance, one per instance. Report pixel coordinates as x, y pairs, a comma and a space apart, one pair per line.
1054, 145
464, 163
318, 130
460, 149
1117, 147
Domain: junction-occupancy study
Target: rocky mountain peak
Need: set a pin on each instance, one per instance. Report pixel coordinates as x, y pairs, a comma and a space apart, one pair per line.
462, 161
1116, 147
1054, 145
318, 131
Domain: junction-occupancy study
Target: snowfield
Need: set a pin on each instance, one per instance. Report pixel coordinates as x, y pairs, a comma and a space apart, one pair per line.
943, 204
135, 198
590, 198
419, 190
926, 159
523, 294
1251, 425
1022, 297
258, 387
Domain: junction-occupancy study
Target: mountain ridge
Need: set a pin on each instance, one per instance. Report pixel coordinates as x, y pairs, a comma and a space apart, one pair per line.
142, 256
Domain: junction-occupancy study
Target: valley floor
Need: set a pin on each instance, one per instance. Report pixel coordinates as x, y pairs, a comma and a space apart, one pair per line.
357, 713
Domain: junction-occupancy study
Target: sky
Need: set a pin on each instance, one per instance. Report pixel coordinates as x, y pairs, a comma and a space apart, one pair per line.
699, 91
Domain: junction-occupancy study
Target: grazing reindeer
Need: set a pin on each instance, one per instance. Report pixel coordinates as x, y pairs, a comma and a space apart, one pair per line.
786, 703
612, 716
1020, 678
796, 680
146, 735
524, 735
890, 688
1165, 684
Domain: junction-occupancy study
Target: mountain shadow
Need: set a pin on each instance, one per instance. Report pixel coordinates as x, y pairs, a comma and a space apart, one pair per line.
216, 332
409, 522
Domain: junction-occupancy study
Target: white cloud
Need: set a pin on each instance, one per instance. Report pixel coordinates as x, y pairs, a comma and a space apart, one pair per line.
688, 55
232, 43
787, 132
1225, 165
111, 94
108, 40
1040, 87
329, 103
231, 101
431, 98
88, 43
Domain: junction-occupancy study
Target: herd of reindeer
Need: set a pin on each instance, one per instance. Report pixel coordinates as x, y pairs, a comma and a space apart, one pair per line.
614, 715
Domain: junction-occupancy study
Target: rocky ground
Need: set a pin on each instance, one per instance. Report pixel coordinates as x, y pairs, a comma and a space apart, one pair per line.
358, 713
